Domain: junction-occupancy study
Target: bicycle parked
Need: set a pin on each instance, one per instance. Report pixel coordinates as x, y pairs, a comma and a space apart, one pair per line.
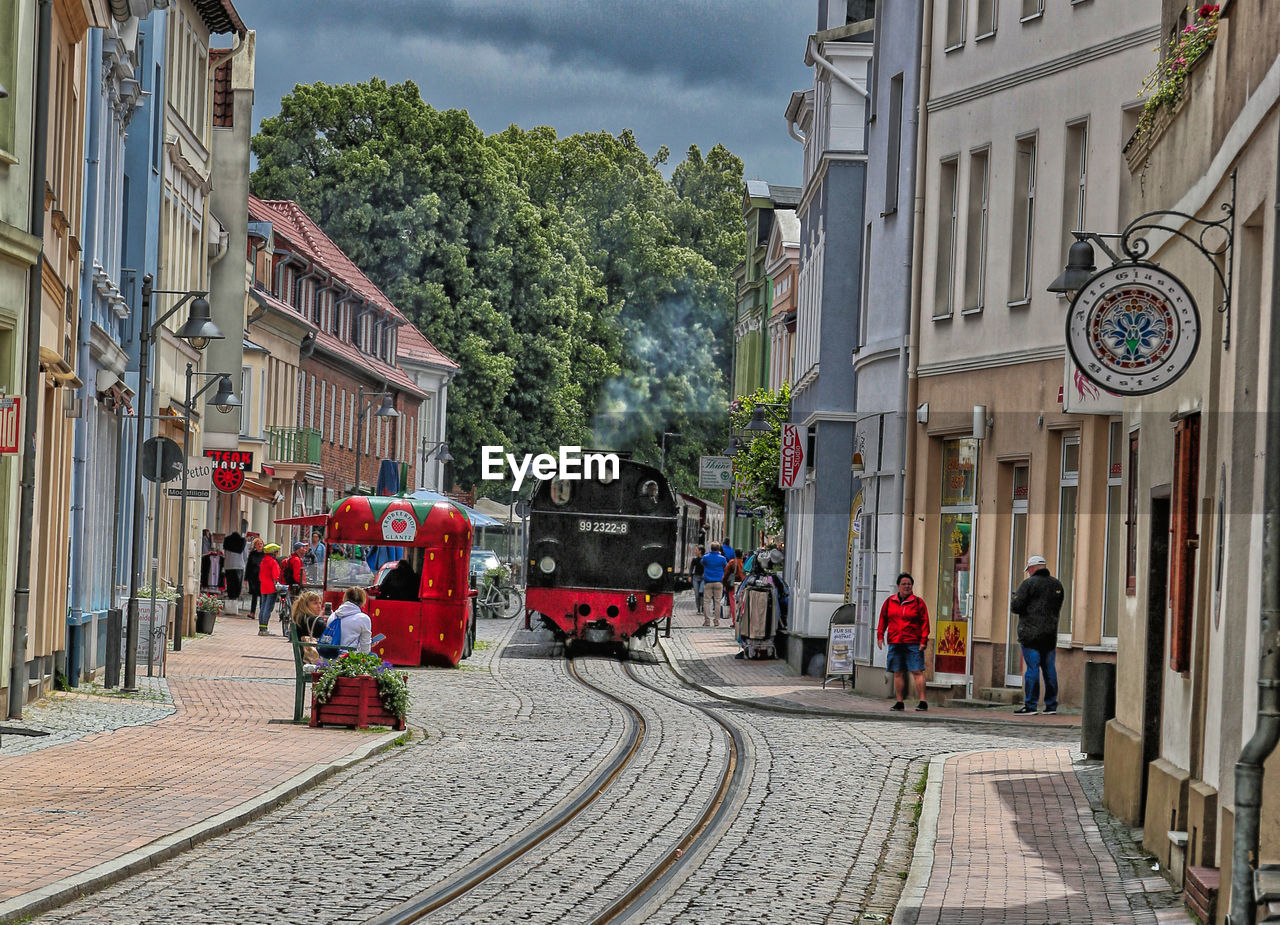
498, 597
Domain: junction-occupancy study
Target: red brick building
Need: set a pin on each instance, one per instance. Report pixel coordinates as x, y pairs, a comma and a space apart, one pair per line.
347, 363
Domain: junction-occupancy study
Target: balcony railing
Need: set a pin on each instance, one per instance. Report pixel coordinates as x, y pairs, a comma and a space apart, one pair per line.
297, 445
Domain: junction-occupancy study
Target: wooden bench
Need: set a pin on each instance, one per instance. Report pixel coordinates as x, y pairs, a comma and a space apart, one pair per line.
304, 673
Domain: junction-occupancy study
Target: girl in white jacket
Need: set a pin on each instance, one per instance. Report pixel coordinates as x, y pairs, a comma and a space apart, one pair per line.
357, 629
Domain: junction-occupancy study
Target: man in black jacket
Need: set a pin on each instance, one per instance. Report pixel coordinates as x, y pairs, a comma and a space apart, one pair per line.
1038, 602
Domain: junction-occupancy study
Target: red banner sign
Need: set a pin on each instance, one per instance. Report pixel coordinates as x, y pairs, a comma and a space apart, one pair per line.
229, 467
10, 423
795, 444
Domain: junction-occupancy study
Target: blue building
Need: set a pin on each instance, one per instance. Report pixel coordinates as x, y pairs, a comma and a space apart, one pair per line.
120, 237
880, 358
831, 119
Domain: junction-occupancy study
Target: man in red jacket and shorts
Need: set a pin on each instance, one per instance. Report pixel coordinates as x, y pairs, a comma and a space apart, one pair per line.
904, 619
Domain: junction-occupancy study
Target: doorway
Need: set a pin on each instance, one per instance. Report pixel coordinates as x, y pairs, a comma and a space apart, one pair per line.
1157, 608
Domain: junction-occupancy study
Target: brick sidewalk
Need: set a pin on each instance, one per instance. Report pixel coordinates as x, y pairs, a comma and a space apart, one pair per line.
71, 811
1014, 842
704, 656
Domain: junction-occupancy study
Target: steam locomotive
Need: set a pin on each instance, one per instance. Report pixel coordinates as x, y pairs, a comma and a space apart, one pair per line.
602, 554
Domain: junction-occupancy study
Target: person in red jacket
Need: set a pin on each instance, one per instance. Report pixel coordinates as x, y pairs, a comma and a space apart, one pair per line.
268, 579
904, 620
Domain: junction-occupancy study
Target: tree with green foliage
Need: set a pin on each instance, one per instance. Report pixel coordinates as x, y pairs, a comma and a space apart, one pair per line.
586, 299
756, 464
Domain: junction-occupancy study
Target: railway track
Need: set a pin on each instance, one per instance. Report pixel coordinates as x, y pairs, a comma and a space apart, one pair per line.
660, 878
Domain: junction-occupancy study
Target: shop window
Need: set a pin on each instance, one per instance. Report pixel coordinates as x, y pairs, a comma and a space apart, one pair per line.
955, 584
1017, 565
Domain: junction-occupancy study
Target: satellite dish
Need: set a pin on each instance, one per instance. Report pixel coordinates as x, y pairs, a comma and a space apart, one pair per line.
162, 455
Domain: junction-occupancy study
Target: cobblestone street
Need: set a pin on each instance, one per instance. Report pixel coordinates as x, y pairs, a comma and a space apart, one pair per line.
820, 832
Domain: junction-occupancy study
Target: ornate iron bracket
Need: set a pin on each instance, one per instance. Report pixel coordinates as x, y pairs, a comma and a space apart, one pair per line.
1214, 240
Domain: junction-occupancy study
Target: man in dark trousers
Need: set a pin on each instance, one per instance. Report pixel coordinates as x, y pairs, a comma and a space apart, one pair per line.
1038, 602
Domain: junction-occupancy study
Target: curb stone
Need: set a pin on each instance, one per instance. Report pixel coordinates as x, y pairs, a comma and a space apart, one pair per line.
907, 911
162, 849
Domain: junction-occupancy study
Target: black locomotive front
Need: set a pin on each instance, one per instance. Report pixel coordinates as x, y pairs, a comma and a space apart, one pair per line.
602, 553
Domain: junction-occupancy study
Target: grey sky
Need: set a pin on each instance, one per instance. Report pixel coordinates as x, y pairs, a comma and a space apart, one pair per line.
677, 73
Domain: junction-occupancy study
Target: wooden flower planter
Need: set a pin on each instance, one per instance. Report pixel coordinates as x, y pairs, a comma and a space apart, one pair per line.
355, 703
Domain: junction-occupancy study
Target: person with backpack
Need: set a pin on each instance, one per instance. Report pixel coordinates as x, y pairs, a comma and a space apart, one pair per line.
713, 573
349, 626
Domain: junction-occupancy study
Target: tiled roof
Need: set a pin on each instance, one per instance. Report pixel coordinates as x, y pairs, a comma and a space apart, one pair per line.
222, 109
412, 345
289, 220
296, 225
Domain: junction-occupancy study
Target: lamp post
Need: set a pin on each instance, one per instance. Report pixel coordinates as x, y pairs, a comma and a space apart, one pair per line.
385, 410
225, 401
198, 330
441, 454
662, 464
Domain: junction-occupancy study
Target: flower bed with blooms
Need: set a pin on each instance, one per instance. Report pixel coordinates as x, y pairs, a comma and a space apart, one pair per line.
393, 686
1167, 83
210, 603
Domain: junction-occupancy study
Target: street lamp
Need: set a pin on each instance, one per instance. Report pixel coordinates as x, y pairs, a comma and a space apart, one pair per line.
385, 410
1080, 268
225, 401
662, 465
199, 338
441, 454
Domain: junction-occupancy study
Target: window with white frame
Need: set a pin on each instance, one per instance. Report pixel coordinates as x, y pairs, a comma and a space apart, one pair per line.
955, 23
975, 256
1023, 224
1068, 509
1074, 170
985, 26
246, 399
944, 278
1032, 8
1018, 515
1111, 584
893, 158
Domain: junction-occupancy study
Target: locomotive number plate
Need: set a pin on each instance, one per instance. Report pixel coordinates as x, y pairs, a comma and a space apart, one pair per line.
602, 526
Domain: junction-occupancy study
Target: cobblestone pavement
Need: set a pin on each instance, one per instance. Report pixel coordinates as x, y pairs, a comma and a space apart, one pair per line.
66, 716
821, 832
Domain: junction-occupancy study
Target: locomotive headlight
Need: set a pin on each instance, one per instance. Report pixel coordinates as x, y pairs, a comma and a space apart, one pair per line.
654, 571
547, 565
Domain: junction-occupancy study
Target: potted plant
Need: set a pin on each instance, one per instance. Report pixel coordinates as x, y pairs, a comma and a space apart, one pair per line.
359, 689
208, 606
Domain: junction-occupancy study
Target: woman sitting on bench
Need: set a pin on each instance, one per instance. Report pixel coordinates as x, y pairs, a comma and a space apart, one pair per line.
357, 628
310, 619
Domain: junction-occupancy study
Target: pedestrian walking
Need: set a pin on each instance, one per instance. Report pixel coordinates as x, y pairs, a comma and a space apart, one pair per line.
252, 567
713, 566
269, 582
318, 553
234, 548
696, 570
1038, 604
731, 557
904, 622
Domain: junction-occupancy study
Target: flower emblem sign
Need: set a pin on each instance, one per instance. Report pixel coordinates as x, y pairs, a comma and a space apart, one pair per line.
1133, 329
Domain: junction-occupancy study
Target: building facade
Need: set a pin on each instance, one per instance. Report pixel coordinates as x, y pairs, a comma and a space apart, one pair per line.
880, 357
782, 266
1005, 460
831, 120
1189, 597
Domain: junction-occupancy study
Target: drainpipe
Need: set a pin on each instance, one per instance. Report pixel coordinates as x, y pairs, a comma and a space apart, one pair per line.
831, 69
912, 386
31, 416
1249, 767
80, 442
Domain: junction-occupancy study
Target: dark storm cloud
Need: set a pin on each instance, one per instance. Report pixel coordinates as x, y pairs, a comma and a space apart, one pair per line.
677, 73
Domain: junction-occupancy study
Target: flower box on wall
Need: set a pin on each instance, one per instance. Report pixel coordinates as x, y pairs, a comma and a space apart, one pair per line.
354, 702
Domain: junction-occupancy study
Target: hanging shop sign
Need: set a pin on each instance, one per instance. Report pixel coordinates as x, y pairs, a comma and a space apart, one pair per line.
1133, 329
199, 481
715, 472
229, 467
795, 443
10, 422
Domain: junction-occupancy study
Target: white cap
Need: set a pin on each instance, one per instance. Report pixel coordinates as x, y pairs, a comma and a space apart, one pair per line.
1036, 560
